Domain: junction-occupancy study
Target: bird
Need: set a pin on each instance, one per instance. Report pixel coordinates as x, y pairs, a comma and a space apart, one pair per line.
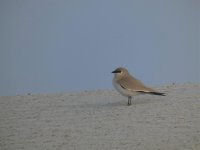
129, 86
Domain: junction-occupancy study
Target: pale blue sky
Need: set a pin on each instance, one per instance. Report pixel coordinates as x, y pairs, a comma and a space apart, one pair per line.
73, 45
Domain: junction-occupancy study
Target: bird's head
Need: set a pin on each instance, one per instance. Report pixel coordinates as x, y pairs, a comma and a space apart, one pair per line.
120, 73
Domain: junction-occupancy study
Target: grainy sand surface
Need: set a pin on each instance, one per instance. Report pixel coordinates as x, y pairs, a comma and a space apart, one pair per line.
101, 120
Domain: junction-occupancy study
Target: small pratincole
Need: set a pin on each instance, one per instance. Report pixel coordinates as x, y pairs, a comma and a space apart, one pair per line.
129, 86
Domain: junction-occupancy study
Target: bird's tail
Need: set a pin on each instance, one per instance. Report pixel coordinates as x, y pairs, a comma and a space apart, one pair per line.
157, 93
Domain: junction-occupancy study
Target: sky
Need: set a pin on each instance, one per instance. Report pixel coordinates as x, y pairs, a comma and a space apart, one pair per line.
49, 46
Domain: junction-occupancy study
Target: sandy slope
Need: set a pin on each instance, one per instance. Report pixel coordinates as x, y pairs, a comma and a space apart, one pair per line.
100, 120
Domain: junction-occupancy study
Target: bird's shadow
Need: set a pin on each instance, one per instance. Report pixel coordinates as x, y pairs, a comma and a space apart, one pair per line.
121, 103
135, 101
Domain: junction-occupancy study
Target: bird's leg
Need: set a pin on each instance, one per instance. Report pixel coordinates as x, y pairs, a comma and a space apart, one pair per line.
129, 100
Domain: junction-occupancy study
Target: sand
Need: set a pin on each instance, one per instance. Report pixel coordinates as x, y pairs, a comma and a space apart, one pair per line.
101, 120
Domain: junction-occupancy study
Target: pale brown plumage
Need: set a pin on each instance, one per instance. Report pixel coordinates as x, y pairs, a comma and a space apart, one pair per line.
130, 85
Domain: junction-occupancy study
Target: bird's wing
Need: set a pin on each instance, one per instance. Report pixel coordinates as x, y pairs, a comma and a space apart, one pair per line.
132, 84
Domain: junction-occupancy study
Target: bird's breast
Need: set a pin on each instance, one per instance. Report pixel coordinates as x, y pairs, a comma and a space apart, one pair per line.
121, 90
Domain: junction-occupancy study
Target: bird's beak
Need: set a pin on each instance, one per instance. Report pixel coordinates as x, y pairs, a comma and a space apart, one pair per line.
116, 71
